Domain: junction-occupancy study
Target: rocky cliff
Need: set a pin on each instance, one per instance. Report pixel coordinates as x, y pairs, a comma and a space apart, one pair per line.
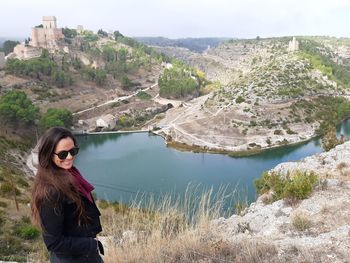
316, 229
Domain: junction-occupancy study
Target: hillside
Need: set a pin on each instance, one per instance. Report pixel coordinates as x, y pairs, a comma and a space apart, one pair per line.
86, 71
267, 96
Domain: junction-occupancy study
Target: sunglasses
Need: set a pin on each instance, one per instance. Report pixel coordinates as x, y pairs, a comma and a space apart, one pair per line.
63, 154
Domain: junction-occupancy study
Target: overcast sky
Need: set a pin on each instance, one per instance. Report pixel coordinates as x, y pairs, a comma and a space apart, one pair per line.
183, 18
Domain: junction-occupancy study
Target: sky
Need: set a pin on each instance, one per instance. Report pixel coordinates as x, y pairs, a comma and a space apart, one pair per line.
183, 18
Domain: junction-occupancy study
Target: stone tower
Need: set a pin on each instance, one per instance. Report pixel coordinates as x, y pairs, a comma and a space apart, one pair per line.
48, 35
293, 45
49, 22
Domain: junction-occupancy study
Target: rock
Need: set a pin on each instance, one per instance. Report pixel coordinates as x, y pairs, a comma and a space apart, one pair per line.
327, 211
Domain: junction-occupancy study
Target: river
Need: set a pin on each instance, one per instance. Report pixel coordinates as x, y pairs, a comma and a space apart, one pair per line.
122, 166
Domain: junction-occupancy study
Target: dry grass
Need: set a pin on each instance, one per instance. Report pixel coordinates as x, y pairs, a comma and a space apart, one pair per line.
191, 246
175, 231
301, 221
343, 168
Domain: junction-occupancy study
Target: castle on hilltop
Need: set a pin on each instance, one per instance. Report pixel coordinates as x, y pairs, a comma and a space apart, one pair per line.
47, 35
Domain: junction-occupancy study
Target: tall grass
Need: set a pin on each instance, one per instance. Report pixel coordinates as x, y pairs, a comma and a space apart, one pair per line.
170, 229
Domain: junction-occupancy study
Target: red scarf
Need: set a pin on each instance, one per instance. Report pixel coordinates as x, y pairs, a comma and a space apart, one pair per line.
84, 186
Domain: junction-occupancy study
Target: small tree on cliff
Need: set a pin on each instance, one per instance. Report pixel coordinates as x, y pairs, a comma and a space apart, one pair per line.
330, 140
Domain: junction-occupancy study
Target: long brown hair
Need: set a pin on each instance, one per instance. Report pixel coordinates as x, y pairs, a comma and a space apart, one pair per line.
53, 184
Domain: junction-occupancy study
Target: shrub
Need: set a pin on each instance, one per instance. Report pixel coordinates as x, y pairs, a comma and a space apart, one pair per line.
29, 232
22, 182
2, 220
143, 95
299, 186
278, 132
24, 229
253, 123
239, 99
12, 249
294, 187
289, 131
301, 222
269, 182
8, 188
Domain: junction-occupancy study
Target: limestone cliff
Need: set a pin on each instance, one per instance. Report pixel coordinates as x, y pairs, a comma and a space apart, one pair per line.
316, 229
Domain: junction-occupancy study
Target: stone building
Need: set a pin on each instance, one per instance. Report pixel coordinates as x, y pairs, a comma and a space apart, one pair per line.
47, 35
80, 29
2, 60
22, 51
106, 121
293, 45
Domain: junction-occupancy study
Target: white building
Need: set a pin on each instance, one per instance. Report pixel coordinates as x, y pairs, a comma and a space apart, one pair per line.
106, 121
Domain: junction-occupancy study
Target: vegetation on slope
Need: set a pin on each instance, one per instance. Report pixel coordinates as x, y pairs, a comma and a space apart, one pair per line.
116, 57
323, 59
180, 81
18, 237
17, 110
293, 188
39, 67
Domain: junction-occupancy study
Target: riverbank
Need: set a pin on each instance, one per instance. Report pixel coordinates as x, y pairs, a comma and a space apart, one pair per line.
238, 153
108, 132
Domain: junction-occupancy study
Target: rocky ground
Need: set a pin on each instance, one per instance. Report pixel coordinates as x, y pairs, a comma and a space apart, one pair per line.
316, 229
261, 82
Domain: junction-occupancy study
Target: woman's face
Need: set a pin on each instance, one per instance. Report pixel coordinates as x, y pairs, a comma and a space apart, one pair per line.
65, 144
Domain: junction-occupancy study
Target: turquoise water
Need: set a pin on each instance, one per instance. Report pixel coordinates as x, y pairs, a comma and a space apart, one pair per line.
120, 166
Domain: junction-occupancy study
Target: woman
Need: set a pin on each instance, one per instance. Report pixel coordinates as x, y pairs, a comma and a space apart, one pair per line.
62, 204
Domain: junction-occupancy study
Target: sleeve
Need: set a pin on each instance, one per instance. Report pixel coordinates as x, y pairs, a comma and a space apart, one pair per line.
52, 218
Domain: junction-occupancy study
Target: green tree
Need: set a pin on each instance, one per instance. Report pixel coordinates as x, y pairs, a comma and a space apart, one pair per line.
69, 33
100, 77
108, 54
117, 35
56, 117
102, 33
8, 46
122, 54
126, 82
178, 82
61, 78
17, 108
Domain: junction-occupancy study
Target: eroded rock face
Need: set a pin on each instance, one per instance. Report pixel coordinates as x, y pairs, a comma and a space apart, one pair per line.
326, 215
260, 103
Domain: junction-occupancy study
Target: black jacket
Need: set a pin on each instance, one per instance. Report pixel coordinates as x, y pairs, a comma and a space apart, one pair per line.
62, 233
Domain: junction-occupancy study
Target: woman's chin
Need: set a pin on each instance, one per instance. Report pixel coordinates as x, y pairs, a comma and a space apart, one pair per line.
66, 166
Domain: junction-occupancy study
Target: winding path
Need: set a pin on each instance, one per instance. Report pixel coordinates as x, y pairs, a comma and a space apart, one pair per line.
115, 100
